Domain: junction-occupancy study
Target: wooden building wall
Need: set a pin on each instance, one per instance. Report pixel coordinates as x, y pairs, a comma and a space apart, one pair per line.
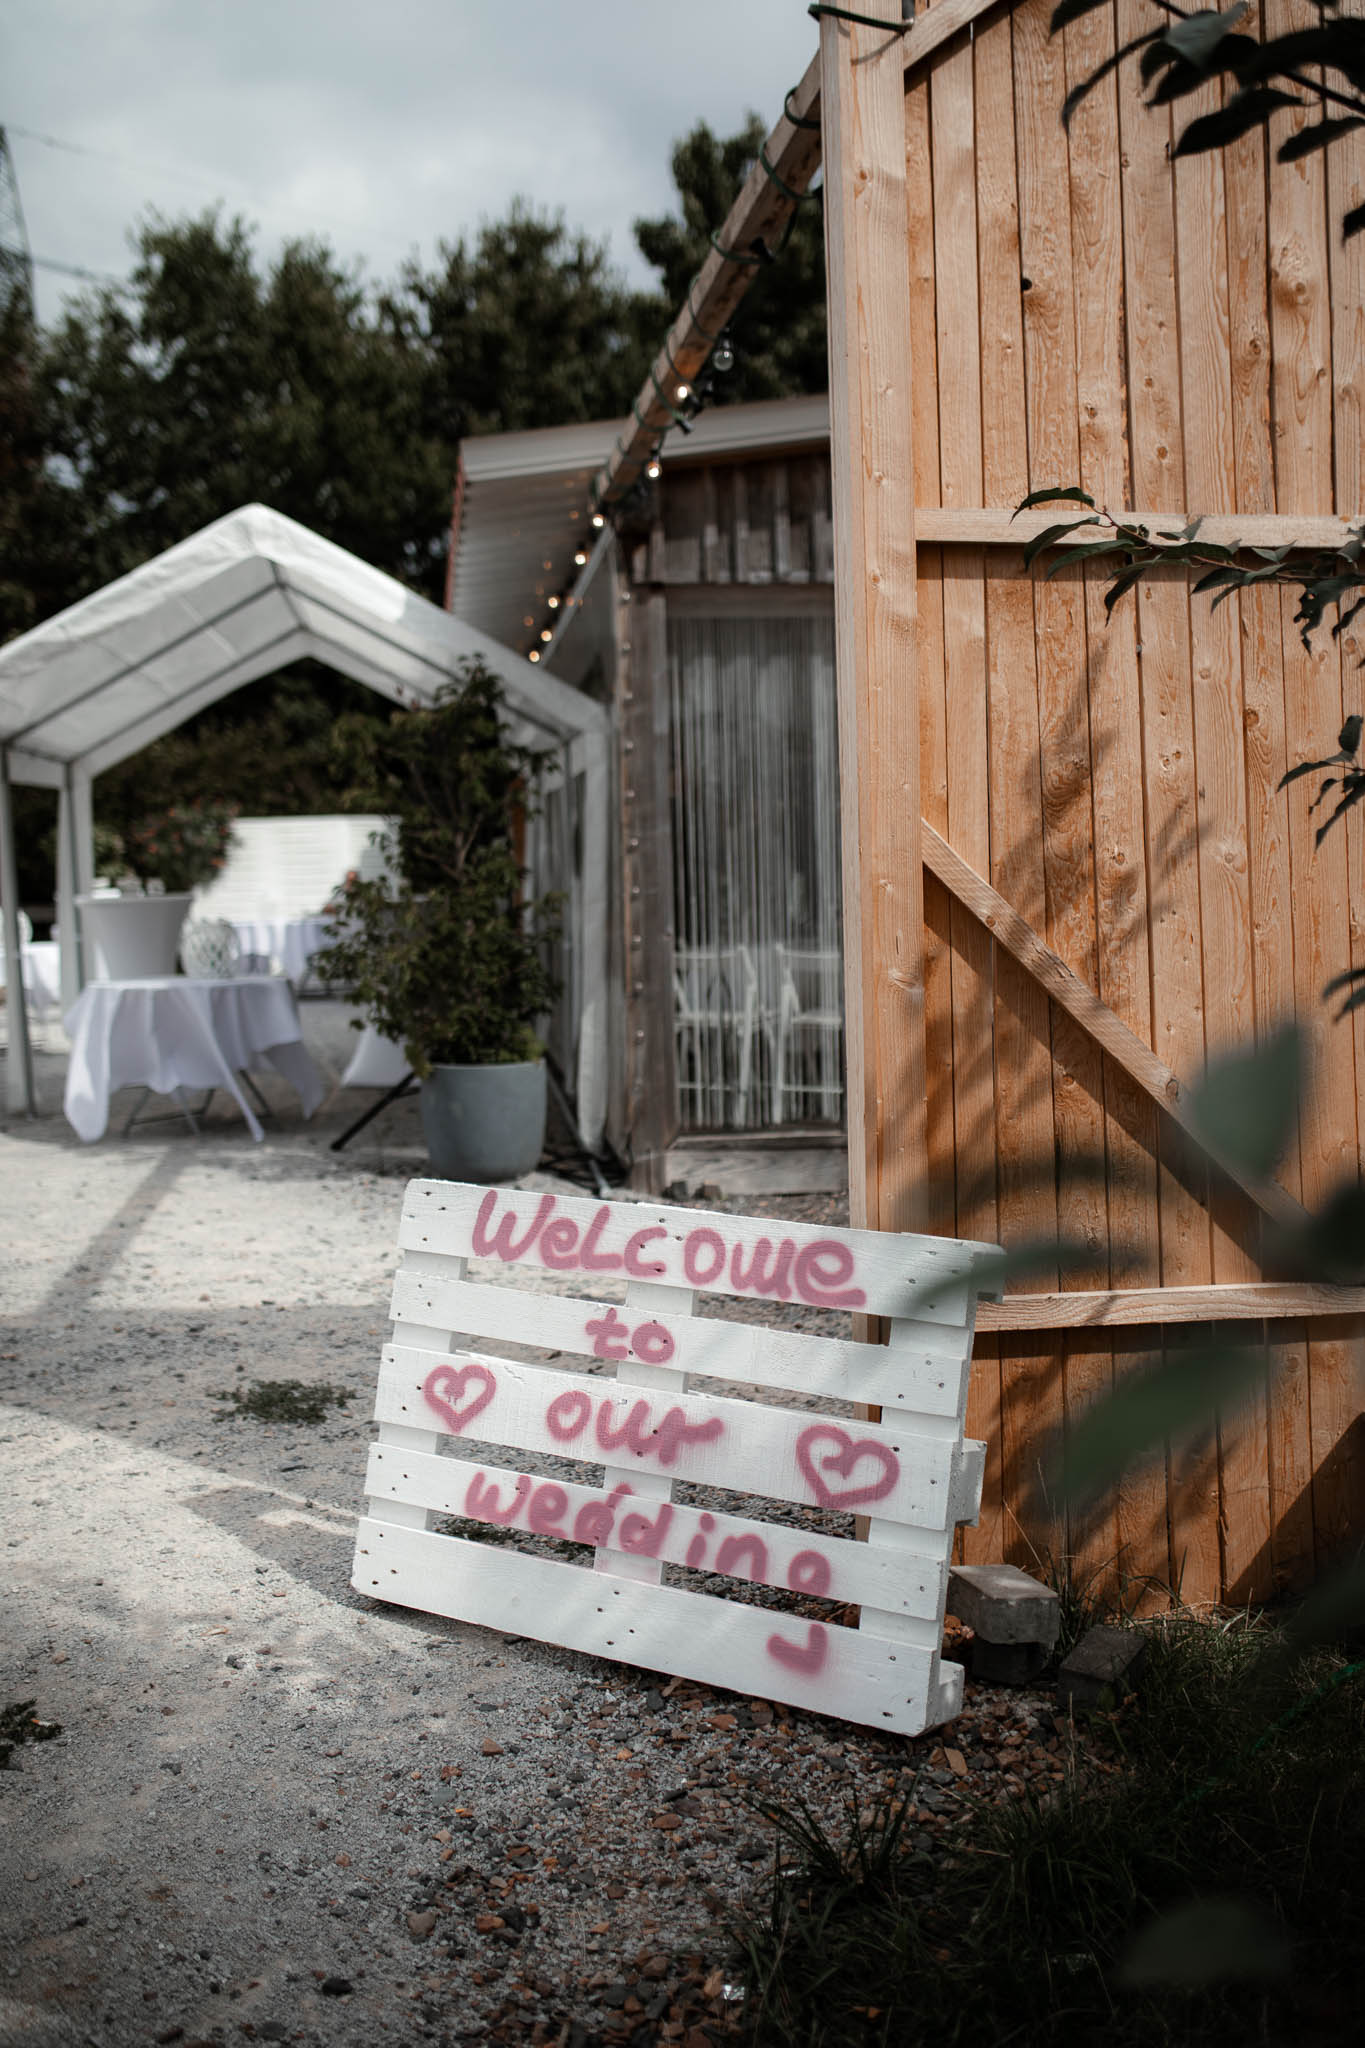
1176, 337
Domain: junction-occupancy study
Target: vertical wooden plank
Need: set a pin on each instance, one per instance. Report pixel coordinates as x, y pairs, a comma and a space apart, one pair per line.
1112, 1554
1345, 165
645, 775
1170, 777
951, 193
1302, 333
1047, 288
867, 262
1024, 1113
1204, 301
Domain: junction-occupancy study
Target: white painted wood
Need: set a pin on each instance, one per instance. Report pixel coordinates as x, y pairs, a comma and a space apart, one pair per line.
820, 1460
934, 1279
921, 1369
636, 1420
904, 1577
888, 1685
642, 1302
414, 1437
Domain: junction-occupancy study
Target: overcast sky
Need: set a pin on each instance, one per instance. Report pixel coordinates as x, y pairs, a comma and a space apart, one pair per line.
382, 125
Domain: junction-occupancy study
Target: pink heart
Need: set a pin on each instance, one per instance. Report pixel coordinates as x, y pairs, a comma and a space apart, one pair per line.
443, 1385
841, 1460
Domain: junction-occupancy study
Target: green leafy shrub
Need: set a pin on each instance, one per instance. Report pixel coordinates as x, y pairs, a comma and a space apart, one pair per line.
447, 956
183, 847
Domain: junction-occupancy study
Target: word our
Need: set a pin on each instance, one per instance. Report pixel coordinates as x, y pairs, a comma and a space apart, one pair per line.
819, 1272
829, 1459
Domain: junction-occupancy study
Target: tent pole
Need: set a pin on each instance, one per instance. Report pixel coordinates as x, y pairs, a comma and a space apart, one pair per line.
69, 938
19, 1064
82, 860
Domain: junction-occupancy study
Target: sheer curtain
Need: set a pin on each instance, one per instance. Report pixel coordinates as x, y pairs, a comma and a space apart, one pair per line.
755, 787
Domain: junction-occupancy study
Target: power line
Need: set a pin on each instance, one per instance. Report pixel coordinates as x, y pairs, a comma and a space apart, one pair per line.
206, 184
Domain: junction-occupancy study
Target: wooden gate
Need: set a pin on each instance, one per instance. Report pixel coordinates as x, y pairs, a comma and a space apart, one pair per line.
1069, 876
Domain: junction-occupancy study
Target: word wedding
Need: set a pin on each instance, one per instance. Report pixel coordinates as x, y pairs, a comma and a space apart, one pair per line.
654, 1461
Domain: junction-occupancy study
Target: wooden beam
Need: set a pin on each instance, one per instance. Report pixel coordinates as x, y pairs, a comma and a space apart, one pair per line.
939, 24
1080, 1002
1238, 1301
759, 215
868, 265
989, 526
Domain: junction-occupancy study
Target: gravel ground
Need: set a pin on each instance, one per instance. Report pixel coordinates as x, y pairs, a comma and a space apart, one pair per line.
277, 1810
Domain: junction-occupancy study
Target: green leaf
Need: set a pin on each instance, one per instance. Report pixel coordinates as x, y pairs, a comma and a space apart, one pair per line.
1185, 1392
1243, 112
1080, 92
1319, 135
1072, 10
1049, 537
1196, 38
1231, 576
1121, 585
1331, 1609
1085, 551
1055, 495
1208, 1941
1247, 1104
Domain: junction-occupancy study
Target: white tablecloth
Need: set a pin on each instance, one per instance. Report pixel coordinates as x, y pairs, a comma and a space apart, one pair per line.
377, 1062
181, 1033
42, 974
292, 941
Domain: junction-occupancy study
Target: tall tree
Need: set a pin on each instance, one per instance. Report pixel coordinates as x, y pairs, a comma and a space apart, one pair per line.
779, 328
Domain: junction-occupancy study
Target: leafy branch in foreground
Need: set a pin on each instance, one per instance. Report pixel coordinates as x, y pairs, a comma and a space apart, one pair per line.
1324, 576
1319, 70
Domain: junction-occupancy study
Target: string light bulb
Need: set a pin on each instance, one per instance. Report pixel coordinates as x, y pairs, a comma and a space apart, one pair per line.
684, 393
580, 559
553, 603
723, 355
599, 519
654, 468
534, 655
546, 633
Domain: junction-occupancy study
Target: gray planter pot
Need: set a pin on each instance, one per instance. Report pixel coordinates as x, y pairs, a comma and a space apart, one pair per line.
484, 1123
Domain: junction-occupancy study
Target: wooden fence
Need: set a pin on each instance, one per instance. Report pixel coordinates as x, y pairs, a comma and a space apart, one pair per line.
1069, 875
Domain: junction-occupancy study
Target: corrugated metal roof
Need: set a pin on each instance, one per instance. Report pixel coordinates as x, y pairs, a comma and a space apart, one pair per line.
527, 502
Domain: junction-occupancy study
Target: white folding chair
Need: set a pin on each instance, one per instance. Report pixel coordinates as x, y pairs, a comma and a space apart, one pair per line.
809, 1054
715, 1019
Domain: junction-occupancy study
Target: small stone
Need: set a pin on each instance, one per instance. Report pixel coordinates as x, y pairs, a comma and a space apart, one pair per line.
752, 1851
420, 1925
1103, 1667
336, 1987
490, 1748
1003, 1604
666, 1822
272, 2030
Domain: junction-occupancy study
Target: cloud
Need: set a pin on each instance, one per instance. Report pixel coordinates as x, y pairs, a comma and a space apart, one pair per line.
379, 128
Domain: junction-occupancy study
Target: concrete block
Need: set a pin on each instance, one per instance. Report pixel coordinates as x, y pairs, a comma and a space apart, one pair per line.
1103, 1667
1006, 1663
1001, 1604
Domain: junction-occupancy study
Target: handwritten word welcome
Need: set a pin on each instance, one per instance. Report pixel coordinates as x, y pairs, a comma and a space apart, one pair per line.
817, 1273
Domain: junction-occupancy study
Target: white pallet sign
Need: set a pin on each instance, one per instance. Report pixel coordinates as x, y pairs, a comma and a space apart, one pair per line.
619, 1399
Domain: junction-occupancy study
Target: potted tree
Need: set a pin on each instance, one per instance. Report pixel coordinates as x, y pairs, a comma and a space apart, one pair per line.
135, 934
446, 954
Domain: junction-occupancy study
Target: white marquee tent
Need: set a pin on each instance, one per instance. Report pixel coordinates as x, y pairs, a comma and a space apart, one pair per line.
238, 601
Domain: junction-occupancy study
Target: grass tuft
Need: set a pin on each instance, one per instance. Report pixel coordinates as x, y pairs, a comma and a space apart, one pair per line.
284, 1400
1201, 1882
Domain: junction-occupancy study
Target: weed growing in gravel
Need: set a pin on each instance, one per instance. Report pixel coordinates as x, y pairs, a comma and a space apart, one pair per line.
1201, 1882
19, 1724
283, 1400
